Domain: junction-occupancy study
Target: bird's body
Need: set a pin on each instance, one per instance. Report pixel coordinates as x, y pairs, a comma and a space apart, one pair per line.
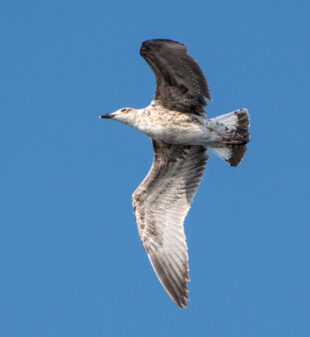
175, 121
174, 127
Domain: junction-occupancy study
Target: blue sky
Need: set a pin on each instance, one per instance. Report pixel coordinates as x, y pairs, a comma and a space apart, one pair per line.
71, 260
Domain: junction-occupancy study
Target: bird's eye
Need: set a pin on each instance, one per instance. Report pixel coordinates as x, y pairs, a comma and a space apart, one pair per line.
123, 110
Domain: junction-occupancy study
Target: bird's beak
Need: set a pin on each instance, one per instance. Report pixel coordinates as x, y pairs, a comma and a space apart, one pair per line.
107, 116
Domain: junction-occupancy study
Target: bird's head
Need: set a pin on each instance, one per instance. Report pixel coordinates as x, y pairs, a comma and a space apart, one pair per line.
125, 115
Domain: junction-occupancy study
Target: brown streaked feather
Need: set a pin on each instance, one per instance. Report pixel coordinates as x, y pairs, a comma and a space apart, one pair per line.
160, 204
180, 83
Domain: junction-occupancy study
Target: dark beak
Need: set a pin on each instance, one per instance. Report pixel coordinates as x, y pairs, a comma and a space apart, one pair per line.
106, 116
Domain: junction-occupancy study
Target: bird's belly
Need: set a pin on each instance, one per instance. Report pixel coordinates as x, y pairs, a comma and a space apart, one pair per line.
183, 135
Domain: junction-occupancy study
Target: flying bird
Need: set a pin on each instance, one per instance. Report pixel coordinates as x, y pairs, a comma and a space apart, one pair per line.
181, 134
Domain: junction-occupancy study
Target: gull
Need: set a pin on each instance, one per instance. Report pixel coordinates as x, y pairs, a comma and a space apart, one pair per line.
181, 134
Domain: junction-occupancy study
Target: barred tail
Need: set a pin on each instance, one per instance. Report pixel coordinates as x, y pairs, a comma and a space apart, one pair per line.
235, 125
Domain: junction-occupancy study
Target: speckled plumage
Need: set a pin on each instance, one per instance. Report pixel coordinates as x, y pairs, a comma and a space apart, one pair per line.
175, 121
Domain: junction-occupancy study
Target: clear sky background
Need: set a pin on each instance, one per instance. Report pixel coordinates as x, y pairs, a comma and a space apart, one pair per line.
71, 263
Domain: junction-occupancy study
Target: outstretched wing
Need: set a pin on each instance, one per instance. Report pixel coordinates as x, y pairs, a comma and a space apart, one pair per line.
180, 83
160, 205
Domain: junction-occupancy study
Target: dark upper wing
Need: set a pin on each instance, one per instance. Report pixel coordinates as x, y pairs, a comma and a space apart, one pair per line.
181, 85
160, 204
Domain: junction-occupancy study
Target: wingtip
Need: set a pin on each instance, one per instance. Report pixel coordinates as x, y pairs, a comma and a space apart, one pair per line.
148, 44
182, 304
156, 41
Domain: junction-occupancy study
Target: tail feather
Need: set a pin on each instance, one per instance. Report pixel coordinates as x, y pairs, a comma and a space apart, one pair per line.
234, 125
